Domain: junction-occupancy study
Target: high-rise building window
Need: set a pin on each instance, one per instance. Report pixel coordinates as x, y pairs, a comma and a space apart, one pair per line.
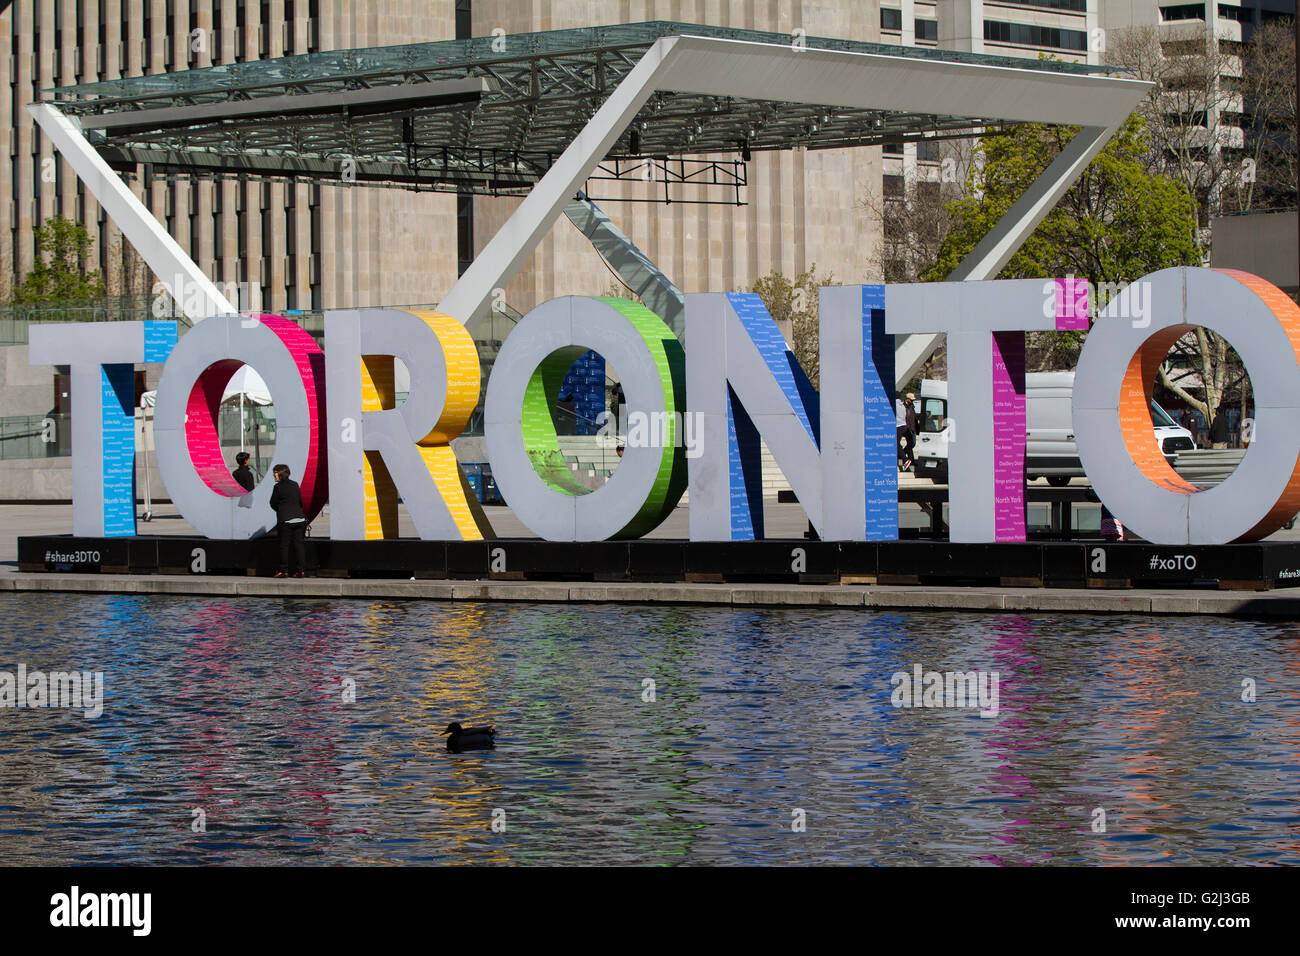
196, 234
1240, 14
927, 29
891, 19
314, 225
464, 27
1184, 11
1025, 34
216, 31
313, 25
1078, 6
103, 38
464, 231
464, 200
218, 224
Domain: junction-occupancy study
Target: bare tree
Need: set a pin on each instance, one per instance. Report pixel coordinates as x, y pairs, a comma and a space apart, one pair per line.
1270, 95
1218, 119
1204, 370
1192, 113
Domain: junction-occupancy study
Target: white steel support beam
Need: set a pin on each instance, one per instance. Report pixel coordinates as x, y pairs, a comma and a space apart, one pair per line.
792, 73
632, 266
995, 250
514, 242
194, 293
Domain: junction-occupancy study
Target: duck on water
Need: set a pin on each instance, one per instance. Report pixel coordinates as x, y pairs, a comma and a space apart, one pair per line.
472, 738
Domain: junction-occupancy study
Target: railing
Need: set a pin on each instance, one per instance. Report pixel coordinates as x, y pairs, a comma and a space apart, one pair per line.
35, 436
15, 318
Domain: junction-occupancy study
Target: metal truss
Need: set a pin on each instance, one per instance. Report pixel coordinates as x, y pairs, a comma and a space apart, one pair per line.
486, 115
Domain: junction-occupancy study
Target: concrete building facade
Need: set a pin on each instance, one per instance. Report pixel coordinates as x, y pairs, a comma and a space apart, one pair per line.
288, 246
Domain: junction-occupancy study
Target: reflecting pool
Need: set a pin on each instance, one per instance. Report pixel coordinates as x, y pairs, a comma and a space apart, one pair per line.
307, 731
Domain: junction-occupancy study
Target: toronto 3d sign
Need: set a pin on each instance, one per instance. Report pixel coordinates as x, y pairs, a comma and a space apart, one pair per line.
733, 381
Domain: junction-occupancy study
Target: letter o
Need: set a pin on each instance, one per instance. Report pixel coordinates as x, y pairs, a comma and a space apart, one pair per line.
185, 424
651, 364
1112, 421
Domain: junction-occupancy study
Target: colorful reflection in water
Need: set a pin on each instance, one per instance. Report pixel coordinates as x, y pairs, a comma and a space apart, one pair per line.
307, 732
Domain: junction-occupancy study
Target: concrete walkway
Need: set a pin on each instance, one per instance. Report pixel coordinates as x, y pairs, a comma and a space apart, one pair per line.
1271, 604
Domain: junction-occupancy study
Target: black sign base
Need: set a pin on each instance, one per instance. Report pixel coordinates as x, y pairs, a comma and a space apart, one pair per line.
1259, 566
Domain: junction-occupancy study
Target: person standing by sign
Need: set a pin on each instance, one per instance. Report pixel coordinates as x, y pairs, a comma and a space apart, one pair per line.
290, 522
900, 424
1219, 428
913, 429
242, 473
616, 402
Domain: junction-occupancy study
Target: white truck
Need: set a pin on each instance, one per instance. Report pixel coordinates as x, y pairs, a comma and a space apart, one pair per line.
1050, 451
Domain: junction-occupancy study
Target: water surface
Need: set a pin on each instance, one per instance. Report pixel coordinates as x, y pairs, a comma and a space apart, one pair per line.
239, 709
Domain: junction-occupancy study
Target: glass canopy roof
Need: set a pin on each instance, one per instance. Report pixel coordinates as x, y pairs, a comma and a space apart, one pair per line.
487, 115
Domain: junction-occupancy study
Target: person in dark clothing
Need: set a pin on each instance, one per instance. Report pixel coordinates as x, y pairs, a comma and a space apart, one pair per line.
568, 417
242, 473
913, 429
1219, 428
616, 402
290, 522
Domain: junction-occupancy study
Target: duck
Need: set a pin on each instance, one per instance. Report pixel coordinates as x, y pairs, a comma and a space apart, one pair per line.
473, 738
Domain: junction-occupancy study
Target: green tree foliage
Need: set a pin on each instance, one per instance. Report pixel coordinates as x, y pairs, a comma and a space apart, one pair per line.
1116, 223
795, 301
57, 274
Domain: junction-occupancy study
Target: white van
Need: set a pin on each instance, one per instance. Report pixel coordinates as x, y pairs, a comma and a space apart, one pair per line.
1050, 451
932, 440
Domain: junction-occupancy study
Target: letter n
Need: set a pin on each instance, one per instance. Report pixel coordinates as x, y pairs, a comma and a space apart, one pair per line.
745, 383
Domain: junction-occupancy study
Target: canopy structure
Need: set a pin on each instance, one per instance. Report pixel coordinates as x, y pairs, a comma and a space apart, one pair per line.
492, 114
540, 114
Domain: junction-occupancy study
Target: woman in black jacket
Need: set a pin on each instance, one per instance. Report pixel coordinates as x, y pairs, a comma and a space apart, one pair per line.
290, 522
